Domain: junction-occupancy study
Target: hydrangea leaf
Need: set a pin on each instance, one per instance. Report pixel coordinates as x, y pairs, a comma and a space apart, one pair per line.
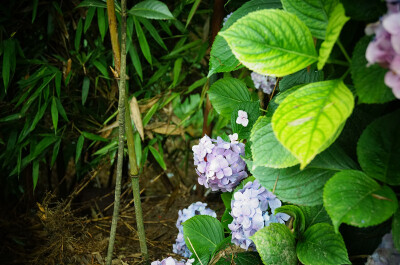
221, 56
315, 214
368, 80
151, 9
202, 234
335, 25
303, 187
378, 149
314, 13
299, 223
396, 229
352, 197
266, 149
253, 112
226, 94
321, 245
268, 47
243, 258
307, 120
301, 77
276, 245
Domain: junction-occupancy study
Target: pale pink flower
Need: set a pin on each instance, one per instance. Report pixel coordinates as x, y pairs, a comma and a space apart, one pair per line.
242, 118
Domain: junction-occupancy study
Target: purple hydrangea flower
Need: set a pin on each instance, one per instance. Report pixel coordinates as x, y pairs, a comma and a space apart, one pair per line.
172, 261
250, 213
385, 48
197, 208
264, 82
219, 164
242, 118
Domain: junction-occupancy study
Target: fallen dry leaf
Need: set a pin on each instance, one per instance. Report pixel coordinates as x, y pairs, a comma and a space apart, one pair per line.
135, 116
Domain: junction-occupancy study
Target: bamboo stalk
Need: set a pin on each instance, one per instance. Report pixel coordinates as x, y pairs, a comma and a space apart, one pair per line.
120, 65
121, 118
112, 24
134, 173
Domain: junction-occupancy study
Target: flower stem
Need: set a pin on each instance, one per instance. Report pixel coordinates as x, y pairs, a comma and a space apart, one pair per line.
343, 51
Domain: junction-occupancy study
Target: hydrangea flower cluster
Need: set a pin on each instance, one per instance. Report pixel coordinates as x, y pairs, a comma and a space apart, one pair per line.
264, 82
172, 261
197, 208
385, 48
219, 164
250, 213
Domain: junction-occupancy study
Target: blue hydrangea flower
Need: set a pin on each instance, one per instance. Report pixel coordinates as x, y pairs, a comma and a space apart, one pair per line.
219, 164
264, 82
197, 208
250, 213
172, 261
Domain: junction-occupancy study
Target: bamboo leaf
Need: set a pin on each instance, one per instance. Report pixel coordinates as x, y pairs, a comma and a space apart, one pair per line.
54, 113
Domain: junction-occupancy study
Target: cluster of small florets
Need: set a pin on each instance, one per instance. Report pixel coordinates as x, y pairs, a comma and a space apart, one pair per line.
219, 164
197, 208
250, 213
264, 82
385, 48
172, 261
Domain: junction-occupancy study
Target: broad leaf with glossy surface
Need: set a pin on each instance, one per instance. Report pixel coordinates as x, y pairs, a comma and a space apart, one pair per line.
266, 149
335, 25
368, 79
378, 149
314, 13
353, 198
203, 233
226, 94
221, 56
151, 9
268, 47
307, 119
320, 245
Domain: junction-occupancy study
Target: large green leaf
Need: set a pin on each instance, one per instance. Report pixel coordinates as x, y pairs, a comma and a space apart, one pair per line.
378, 149
253, 112
221, 56
243, 258
368, 80
203, 233
335, 25
301, 77
307, 119
226, 94
54, 113
303, 187
353, 198
315, 214
151, 9
320, 245
314, 13
396, 229
268, 47
266, 149
276, 245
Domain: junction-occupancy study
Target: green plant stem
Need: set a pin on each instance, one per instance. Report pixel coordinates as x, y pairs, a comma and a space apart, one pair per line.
343, 51
121, 136
134, 173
